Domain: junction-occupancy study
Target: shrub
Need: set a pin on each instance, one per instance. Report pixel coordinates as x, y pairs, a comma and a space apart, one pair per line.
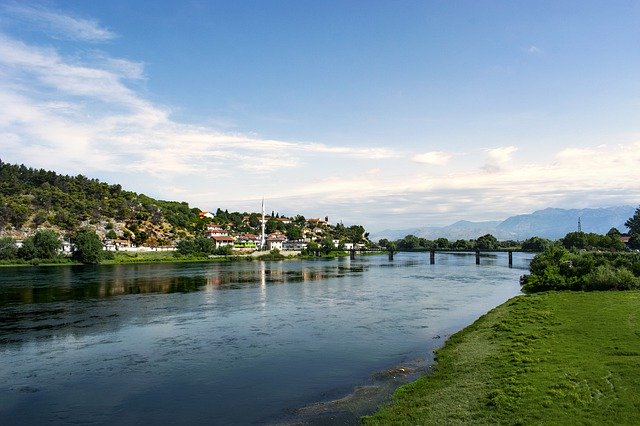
608, 278
558, 269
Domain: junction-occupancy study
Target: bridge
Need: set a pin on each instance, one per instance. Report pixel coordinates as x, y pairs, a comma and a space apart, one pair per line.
432, 254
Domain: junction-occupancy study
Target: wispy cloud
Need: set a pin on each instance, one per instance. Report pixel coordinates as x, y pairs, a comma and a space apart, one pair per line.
67, 113
60, 25
534, 50
82, 114
436, 158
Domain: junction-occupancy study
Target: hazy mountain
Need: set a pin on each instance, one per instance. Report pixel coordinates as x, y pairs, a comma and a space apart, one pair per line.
548, 223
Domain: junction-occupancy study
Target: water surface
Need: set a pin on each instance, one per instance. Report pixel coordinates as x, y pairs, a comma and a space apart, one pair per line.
231, 343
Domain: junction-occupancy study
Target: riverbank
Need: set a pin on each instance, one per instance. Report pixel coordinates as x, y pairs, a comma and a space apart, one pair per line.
548, 358
124, 257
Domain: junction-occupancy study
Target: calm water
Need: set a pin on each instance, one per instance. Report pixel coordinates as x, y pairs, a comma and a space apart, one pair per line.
233, 343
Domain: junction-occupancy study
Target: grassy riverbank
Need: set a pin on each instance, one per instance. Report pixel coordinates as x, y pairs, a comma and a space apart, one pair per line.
548, 358
168, 257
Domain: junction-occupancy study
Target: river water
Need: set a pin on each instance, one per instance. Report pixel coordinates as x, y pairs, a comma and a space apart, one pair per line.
298, 341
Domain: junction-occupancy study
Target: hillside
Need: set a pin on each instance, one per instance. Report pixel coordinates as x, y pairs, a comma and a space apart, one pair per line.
32, 199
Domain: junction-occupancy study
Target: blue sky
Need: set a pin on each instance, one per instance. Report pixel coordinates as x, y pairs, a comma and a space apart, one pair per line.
391, 114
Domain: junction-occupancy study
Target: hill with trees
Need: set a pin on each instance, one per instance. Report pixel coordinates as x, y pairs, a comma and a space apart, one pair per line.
36, 198
36, 204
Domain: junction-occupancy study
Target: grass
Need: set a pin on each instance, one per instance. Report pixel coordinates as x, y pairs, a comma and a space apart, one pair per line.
549, 358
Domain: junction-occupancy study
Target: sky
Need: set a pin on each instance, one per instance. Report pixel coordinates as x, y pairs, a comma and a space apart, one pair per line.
389, 114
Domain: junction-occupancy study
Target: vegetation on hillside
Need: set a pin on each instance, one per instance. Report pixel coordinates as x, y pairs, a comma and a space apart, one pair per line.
32, 198
88, 213
550, 358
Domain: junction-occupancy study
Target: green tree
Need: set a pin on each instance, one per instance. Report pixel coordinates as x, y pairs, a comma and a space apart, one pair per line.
442, 243
271, 226
313, 247
410, 242
44, 244
462, 245
327, 245
633, 223
487, 242
535, 244
196, 246
293, 232
8, 248
87, 248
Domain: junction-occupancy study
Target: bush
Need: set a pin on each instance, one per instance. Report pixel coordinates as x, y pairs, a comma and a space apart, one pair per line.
609, 278
87, 247
42, 245
8, 248
558, 269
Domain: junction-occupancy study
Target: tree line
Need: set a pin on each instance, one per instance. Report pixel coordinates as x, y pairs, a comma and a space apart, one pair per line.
45, 246
588, 262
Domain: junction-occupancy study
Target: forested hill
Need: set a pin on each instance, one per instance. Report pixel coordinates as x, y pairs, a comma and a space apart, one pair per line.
32, 198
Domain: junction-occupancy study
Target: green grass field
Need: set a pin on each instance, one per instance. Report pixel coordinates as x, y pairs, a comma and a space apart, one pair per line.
548, 358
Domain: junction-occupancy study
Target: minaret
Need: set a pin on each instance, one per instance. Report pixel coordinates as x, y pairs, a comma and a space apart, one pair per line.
262, 238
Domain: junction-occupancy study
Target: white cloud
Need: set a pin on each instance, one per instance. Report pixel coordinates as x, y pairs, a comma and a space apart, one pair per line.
60, 25
436, 158
500, 155
69, 114
82, 116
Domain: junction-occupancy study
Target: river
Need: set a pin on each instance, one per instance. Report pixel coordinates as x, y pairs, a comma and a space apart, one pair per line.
315, 341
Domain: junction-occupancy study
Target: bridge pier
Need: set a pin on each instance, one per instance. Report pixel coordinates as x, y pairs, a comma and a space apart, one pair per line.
510, 259
477, 257
432, 257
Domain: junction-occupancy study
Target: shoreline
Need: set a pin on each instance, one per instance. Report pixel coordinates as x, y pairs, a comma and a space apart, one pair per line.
554, 357
124, 258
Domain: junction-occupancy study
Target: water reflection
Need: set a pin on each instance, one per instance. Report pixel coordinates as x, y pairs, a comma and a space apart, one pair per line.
57, 284
232, 343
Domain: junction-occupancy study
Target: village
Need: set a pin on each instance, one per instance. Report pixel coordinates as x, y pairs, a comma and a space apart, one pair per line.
285, 235
255, 232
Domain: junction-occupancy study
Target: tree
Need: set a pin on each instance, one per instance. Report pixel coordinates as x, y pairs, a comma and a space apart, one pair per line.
634, 229
614, 232
87, 247
442, 243
327, 245
410, 242
8, 248
43, 244
462, 245
313, 247
633, 223
196, 246
574, 240
271, 226
535, 244
293, 232
39, 218
487, 242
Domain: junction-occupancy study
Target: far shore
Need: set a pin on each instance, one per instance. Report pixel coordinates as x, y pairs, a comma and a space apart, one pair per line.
125, 257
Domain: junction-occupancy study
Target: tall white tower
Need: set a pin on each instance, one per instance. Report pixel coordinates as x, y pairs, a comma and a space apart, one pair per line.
263, 240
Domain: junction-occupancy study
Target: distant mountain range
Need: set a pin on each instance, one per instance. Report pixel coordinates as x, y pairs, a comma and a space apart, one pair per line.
548, 223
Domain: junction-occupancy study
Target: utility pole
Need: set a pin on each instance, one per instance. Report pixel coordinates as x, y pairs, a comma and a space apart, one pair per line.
579, 225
